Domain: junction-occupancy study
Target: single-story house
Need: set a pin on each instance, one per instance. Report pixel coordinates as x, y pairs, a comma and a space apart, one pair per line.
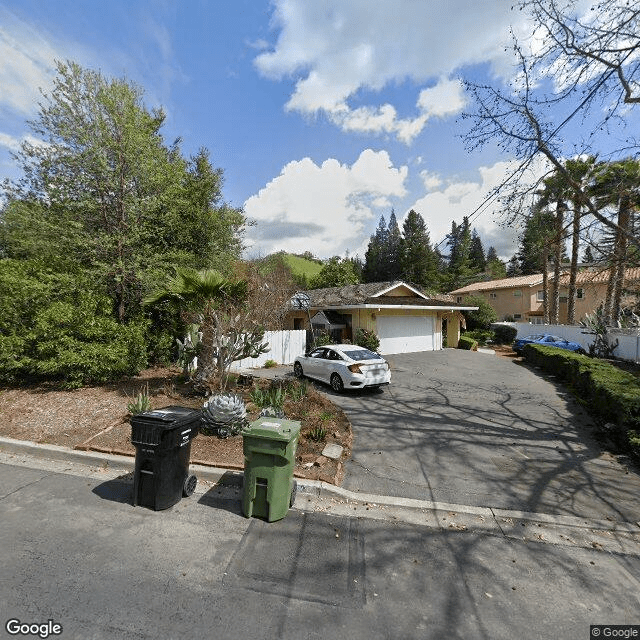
404, 318
521, 298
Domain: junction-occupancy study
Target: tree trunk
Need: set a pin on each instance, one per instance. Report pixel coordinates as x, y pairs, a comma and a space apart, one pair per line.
624, 217
557, 263
573, 276
545, 284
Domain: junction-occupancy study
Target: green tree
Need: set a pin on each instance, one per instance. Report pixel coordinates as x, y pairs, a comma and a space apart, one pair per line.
482, 317
477, 258
130, 206
217, 304
392, 260
459, 271
496, 268
418, 260
335, 272
373, 270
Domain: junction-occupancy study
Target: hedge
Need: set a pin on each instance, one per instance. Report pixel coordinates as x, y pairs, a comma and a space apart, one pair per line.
610, 394
467, 343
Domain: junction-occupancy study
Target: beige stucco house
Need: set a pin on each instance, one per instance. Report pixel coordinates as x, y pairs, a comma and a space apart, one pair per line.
404, 318
521, 298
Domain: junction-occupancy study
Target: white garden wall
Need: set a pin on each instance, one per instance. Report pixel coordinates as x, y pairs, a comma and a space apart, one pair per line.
285, 346
628, 339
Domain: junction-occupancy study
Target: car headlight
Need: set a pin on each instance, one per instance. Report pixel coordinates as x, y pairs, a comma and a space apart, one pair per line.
354, 368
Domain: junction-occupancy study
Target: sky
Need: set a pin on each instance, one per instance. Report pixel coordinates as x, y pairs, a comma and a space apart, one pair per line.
324, 114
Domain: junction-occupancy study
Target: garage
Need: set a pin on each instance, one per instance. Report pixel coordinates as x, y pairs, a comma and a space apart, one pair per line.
405, 334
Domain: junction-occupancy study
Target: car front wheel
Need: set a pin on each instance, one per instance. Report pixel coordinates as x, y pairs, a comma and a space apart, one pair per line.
336, 383
297, 370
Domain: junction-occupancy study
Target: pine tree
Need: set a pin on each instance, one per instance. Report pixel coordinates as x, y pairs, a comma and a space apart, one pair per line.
459, 272
477, 257
393, 268
419, 261
375, 254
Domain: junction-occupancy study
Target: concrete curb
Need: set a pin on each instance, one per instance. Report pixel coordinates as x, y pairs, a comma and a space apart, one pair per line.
315, 488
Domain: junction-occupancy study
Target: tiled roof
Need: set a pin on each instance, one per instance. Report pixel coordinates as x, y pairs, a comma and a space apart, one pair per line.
504, 283
597, 275
592, 275
369, 293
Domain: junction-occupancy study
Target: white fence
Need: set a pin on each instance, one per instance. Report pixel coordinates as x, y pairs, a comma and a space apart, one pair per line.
628, 339
285, 346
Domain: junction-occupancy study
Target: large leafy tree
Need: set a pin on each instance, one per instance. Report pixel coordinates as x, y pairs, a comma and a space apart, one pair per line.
128, 206
335, 272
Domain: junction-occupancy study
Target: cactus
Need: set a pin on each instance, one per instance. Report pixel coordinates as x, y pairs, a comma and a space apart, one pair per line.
225, 415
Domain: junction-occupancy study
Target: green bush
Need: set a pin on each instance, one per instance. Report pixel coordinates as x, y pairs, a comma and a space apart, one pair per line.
482, 317
58, 329
610, 394
481, 336
467, 343
504, 334
367, 339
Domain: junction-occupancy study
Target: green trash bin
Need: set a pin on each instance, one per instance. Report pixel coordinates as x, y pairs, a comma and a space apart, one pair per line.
269, 446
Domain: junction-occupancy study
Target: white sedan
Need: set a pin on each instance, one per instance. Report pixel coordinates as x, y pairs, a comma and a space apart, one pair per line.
344, 366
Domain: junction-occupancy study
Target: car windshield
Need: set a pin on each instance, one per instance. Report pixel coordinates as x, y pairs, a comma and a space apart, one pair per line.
363, 354
535, 337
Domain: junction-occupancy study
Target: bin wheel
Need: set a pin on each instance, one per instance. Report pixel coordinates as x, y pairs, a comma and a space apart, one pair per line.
294, 491
189, 486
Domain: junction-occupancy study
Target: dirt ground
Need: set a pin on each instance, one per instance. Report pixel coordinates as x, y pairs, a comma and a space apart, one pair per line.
96, 418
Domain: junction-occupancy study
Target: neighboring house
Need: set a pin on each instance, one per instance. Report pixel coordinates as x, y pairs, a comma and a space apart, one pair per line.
404, 319
521, 298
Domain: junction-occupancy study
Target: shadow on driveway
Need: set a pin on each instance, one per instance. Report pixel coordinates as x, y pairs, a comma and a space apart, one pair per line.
476, 429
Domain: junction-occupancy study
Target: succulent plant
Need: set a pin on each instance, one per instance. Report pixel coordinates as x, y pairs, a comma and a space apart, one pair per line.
224, 414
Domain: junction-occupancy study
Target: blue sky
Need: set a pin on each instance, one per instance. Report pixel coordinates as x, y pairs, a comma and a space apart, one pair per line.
323, 114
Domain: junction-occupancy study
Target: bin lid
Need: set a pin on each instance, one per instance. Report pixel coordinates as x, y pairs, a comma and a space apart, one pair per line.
273, 429
167, 417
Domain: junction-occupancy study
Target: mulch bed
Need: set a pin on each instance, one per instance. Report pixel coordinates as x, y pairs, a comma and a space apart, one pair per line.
96, 419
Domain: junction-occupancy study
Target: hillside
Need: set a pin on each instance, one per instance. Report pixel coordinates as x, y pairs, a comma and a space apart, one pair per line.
301, 266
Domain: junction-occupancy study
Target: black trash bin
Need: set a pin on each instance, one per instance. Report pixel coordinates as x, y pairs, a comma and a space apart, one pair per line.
163, 445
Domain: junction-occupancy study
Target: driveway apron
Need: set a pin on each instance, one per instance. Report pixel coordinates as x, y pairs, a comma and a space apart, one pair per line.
476, 429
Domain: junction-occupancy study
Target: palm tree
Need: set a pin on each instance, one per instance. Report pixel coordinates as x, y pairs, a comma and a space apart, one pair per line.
204, 296
618, 184
581, 170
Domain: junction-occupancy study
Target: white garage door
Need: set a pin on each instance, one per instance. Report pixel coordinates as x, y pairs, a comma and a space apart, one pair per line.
405, 334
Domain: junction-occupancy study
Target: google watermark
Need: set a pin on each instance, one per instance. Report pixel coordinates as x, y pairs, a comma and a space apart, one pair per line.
615, 631
40, 629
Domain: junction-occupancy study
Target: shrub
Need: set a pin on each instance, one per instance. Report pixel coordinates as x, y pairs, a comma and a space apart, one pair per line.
610, 394
482, 317
367, 339
504, 334
467, 343
269, 364
479, 335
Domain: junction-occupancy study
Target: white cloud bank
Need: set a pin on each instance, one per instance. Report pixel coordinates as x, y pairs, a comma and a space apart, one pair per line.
26, 63
323, 208
336, 48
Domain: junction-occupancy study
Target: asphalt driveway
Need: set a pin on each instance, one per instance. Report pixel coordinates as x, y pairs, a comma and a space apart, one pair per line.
481, 430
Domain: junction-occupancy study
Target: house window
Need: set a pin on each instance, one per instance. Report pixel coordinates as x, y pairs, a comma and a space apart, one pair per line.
493, 296
517, 316
580, 293
540, 295
536, 320
517, 293
459, 299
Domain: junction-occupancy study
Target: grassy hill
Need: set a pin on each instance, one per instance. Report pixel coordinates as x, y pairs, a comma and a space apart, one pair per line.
301, 266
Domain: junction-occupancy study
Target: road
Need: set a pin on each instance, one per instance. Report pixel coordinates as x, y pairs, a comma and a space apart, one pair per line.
75, 551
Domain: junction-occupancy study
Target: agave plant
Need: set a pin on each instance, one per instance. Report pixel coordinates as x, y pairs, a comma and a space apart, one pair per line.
224, 415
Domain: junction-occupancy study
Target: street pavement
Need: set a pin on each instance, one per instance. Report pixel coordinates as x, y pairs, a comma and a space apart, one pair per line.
76, 552
476, 506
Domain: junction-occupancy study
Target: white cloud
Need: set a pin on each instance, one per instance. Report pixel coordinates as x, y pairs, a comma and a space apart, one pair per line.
26, 63
323, 208
451, 200
336, 48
